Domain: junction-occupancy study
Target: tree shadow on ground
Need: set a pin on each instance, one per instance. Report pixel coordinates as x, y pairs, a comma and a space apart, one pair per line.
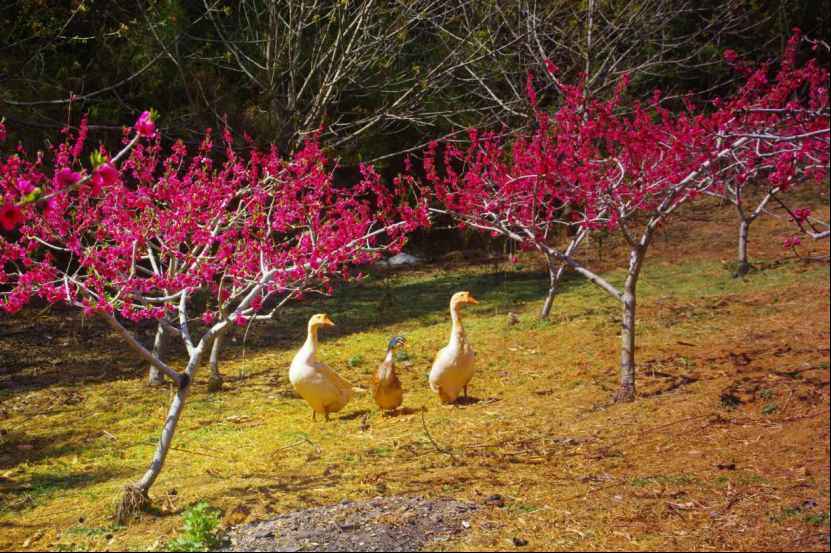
375, 303
39, 488
41, 348
59, 346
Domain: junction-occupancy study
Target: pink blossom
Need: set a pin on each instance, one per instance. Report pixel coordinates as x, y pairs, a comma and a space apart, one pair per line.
83, 131
551, 68
66, 177
105, 175
24, 186
530, 91
801, 214
10, 216
791, 242
145, 126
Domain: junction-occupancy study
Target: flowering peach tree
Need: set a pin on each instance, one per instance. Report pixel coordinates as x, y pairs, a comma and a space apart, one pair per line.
626, 166
150, 232
788, 148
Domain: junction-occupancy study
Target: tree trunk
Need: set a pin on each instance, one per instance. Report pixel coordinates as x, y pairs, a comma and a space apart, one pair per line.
166, 438
556, 268
156, 378
626, 392
215, 381
555, 273
136, 496
743, 264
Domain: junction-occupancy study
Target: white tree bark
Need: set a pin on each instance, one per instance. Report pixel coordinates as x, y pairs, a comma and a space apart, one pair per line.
215, 382
166, 439
743, 264
555, 273
155, 378
175, 410
556, 269
626, 391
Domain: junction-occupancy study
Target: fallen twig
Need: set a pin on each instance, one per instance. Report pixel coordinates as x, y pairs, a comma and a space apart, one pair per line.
301, 441
432, 441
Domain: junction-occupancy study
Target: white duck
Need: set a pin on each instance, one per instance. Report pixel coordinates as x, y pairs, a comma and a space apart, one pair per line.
320, 386
453, 367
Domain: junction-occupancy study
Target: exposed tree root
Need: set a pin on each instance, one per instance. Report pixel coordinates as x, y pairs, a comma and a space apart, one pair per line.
625, 394
132, 502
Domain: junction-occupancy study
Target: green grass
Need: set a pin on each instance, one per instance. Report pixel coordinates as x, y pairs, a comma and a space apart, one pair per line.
818, 519
770, 408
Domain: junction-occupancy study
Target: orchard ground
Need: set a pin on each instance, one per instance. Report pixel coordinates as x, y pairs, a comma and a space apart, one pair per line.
726, 447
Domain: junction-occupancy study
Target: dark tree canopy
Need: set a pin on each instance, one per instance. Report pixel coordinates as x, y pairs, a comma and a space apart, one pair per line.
380, 77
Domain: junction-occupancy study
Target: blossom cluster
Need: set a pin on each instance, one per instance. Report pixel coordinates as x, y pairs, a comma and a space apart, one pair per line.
134, 232
602, 164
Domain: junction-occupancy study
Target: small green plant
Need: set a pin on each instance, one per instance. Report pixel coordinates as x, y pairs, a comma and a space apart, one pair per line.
818, 519
355, 361
687, 362
770, 409
767, 394
199, 529
784, 514
520, 507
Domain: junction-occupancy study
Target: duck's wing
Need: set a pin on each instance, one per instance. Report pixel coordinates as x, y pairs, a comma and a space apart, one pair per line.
334, 377
394, 383
375, 381
445, 357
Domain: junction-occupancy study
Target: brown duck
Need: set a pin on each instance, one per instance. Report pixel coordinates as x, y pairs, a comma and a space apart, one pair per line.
386, 388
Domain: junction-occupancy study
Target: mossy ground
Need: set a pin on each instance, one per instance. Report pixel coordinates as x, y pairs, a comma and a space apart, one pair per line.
727, 446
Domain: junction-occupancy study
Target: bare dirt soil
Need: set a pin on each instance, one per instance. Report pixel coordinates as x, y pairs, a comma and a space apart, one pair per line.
381, 524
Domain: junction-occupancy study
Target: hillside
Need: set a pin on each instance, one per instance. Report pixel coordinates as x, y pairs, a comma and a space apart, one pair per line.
727, 446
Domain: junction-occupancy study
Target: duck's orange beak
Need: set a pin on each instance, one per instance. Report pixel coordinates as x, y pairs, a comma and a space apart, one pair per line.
327, 321
471, 299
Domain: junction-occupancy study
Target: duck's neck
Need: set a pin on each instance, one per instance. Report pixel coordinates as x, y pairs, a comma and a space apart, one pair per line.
311, 340
388, 367
457, 331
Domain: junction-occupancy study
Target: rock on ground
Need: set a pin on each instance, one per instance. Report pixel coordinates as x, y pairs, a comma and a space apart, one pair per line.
400, 259
398, 523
